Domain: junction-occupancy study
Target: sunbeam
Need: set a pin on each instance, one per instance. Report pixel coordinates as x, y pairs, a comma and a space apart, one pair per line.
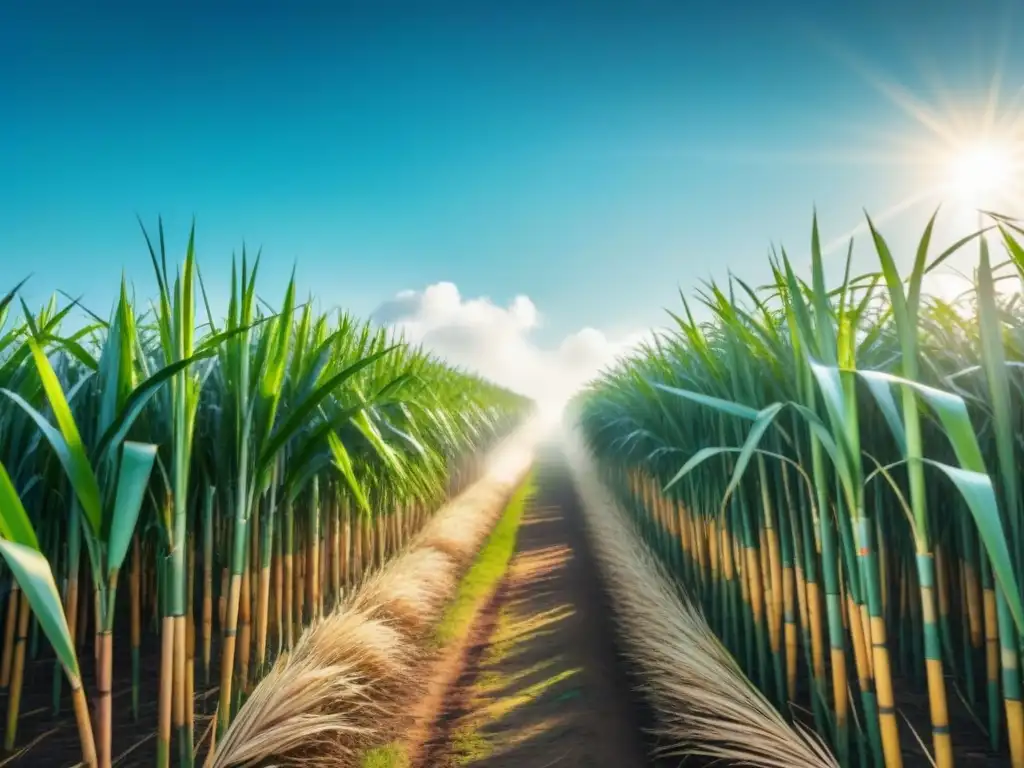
967, 155
888, 214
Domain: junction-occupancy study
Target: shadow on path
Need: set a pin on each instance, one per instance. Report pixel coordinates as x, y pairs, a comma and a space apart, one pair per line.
542, 685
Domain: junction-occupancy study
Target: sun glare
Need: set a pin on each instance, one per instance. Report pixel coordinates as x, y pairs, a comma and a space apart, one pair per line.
550, 410
959, 148
981, 174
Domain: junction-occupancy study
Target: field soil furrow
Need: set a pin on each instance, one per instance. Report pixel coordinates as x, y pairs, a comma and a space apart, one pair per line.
541, 683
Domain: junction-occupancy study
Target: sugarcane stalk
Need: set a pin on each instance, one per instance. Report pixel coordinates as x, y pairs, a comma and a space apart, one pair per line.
207, 618
17, 676
231, 613
10, 627
104, 673
289, 574
135, 600
313, 551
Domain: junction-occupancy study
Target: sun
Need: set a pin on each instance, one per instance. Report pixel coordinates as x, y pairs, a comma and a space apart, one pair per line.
981, 174
981, 171
958, 148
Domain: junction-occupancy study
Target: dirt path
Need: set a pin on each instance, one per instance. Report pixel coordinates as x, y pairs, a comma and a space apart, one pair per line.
541, 685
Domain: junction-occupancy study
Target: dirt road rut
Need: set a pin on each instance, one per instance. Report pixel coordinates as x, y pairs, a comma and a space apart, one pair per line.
541, 684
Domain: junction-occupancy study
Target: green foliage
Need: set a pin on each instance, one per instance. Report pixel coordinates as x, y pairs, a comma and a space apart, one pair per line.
166, 431
757, 423
390, 756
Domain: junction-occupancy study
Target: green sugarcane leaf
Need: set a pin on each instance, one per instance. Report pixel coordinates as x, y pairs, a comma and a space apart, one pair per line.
137, 401
67, 442
299, 416
9, 296
971, 478
115, 365
309, 447
344, 463
970, 370
298, 478
824, 325
993, 358
882, 392
883, 472
77, 351
132, 479
280, 338
725, 406
1014, 248
893, 280
32, 572
831, 386
798, 314
750, 445
977, 491
187, 306
30, 321
918, 271
14, 521
695, 461
834, 449
952, 413
211, 343
718, 451
367, 429
407, 438
393, 386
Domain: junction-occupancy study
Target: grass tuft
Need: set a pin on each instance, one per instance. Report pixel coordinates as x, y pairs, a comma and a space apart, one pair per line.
469, 746
389, 756
487, 570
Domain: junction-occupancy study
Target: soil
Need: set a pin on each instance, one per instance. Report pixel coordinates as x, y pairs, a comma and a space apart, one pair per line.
45, 740
542, 683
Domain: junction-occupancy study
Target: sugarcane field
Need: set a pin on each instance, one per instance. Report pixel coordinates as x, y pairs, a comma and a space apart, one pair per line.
512, 385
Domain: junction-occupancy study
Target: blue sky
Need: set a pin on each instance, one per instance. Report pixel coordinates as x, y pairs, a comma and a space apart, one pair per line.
590, 155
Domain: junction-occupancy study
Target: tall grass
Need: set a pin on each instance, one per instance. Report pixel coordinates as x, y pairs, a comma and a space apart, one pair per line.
216, 484
832, 472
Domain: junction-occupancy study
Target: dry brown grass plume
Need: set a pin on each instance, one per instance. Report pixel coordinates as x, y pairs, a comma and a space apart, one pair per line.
323, 702
348, 682
703, 702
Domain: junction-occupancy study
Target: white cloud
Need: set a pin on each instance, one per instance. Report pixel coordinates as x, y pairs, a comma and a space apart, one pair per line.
497, 341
